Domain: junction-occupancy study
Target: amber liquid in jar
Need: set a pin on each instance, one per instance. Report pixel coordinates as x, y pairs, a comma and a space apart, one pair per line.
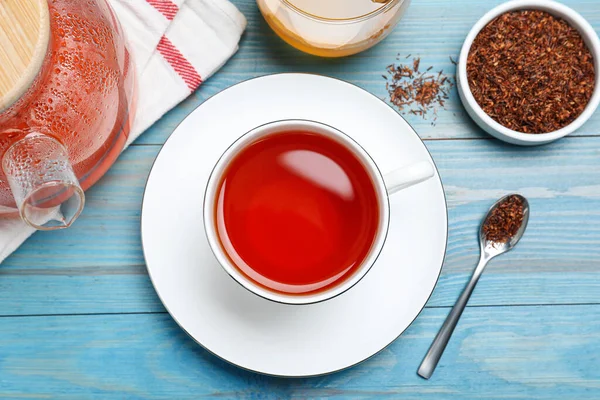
82, 95
332, 28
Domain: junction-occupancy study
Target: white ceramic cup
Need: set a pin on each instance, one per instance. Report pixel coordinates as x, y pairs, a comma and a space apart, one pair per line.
385, 185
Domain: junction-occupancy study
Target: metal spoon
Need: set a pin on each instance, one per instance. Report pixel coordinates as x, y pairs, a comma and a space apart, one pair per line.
488, 250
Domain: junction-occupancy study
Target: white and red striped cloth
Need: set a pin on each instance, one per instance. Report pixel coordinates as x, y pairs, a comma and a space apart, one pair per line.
176, 45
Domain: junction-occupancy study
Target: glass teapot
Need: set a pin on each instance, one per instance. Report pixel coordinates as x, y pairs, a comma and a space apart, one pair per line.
66, 92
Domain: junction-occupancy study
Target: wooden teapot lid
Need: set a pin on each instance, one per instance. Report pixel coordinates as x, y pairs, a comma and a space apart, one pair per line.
24, 35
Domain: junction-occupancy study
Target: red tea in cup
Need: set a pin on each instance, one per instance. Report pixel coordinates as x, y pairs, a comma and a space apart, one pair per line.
296, 212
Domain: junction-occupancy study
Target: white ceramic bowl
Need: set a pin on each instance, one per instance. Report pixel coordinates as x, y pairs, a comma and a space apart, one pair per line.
486, 122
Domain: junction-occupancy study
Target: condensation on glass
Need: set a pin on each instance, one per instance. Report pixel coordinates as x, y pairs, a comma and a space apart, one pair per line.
66, 95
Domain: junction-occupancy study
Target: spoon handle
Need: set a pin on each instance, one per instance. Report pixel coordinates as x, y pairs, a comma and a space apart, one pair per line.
441, 339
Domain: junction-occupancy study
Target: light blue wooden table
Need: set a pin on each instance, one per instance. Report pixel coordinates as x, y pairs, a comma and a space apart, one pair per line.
80, 319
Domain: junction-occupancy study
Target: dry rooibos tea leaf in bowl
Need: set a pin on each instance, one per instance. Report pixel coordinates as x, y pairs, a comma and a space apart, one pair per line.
530, 71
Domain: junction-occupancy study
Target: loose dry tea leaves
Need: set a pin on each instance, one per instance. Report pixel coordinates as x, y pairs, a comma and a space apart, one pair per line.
504, 222
530, 71
415, 92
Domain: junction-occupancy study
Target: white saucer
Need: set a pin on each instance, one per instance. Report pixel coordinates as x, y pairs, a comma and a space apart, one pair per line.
255, 333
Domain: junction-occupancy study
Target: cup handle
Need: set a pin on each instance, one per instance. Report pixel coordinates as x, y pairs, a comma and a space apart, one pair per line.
407, 176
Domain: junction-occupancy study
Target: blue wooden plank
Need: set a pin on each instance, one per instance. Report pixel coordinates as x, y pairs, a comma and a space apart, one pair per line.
97, 265
496, 352
106, 290
432, 30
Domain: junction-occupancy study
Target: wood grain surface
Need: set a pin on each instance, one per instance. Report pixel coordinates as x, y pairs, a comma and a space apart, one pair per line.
80, 319
496, 353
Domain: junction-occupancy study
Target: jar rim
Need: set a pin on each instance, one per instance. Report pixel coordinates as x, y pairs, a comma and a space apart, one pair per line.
385, 7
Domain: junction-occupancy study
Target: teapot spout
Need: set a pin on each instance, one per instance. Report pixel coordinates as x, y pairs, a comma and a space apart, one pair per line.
43, 183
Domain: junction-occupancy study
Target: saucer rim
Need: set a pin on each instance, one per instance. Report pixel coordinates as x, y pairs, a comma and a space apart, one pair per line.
293, 305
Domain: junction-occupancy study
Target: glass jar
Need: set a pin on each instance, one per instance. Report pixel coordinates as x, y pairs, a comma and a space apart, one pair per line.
332, 28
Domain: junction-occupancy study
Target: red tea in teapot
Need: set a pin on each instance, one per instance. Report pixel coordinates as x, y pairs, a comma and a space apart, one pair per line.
296, 212
81, 96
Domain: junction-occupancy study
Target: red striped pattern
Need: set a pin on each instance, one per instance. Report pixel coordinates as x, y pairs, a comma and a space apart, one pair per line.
179, 63
165, 7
